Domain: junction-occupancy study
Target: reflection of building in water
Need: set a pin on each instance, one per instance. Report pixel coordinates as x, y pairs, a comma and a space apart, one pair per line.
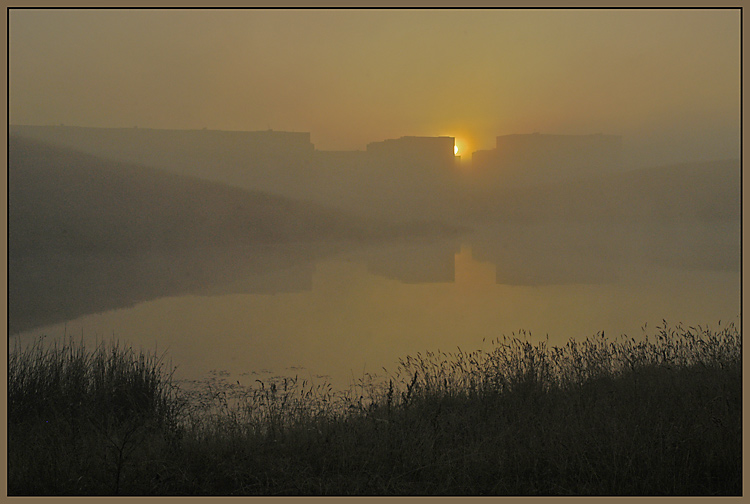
429, 263
38, 284
469, 271
433, 263
551, 254
534, 158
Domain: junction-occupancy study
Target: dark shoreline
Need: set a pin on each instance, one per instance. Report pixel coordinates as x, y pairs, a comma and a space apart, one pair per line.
659, 416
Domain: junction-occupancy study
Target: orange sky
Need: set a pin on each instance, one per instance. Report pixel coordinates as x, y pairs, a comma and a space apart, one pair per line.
668, 80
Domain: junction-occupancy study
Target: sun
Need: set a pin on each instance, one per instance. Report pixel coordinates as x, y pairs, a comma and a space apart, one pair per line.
462, 143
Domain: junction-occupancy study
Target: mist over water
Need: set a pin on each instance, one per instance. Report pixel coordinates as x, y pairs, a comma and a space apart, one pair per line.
331, 190
346, 315
486, 251
245, 286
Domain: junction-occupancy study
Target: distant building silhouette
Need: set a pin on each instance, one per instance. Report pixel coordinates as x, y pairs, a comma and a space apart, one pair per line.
538, 158
414, 177
435, 152
408, 177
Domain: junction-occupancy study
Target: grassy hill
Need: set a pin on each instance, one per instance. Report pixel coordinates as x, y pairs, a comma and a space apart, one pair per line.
63, 200
87, 234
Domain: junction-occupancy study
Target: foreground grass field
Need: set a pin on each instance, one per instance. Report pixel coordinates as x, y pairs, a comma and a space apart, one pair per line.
660, 415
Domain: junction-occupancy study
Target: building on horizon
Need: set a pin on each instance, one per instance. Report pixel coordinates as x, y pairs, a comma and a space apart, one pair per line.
415, 175
408, 177
434, 151
522, 159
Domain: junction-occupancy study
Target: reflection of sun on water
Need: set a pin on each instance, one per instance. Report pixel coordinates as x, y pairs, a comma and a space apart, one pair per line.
472, 273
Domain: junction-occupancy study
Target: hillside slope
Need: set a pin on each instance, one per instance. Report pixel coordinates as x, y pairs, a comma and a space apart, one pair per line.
64, 200
707, 191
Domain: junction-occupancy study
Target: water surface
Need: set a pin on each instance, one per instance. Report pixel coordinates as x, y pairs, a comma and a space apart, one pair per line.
336, 313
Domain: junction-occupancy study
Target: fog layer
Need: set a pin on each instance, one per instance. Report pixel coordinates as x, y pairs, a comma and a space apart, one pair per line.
100, 219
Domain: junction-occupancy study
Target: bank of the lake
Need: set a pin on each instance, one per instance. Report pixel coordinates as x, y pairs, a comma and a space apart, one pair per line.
654, 416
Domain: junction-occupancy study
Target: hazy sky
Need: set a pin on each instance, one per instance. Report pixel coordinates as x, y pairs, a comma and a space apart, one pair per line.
668, 80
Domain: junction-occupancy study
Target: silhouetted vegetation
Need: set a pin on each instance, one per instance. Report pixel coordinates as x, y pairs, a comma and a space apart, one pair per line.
659, 415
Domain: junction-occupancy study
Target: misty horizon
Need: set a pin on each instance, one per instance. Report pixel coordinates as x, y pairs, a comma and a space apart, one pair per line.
184, 130
491, 251
465, 157
355, 76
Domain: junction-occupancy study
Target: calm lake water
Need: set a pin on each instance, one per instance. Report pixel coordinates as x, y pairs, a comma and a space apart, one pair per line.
336, 312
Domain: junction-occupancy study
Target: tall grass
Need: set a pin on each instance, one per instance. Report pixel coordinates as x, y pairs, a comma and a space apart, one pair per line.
86, 421
660, 415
